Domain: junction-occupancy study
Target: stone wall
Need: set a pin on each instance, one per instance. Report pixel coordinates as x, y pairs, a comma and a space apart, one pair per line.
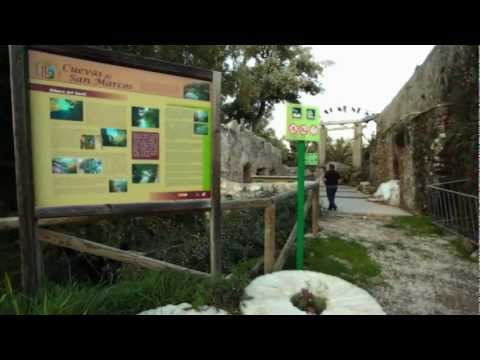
244, 154
429, 131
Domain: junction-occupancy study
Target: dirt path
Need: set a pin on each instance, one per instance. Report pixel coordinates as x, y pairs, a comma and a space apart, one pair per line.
424, 275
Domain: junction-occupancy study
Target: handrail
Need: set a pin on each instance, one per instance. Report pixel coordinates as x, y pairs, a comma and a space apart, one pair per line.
449, 182
453, 210
453, 192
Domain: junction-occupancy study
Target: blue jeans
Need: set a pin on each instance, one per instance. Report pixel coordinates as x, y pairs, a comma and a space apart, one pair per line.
331, 192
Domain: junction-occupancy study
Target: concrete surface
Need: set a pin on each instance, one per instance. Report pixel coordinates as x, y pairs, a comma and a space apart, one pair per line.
351, 201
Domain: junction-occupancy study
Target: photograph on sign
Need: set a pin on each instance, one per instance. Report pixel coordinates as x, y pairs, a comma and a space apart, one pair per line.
201, 116
146, 118
66, 109
108, 134
118, 185
89, 166
197, 91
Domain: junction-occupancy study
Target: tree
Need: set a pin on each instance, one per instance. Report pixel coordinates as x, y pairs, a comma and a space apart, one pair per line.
255, 77
340, 151
264, 75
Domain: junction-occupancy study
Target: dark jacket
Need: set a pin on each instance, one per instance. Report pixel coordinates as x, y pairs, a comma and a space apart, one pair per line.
331, 178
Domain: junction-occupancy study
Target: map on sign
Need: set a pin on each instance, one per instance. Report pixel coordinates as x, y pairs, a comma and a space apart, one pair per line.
303, 123
107, 134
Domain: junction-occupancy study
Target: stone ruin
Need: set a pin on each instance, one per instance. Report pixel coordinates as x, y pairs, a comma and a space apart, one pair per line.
245, 154
429, 132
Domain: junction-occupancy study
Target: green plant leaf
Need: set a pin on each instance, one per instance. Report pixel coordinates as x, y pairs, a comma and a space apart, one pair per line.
12, 295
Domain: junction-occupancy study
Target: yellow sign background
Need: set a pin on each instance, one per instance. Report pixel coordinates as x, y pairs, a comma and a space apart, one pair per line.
45, 130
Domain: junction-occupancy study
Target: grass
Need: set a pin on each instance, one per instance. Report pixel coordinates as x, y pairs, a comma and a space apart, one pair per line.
416, 226
339, 257
461, 250
133, 293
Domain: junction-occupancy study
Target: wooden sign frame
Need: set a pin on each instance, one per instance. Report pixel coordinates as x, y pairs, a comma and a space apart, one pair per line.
29, 215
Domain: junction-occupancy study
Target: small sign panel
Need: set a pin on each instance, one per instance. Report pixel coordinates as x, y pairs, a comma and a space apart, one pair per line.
311, 159
303, 123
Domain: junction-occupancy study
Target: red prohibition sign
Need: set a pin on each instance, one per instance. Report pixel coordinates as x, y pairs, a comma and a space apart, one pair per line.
293, 129
303, 130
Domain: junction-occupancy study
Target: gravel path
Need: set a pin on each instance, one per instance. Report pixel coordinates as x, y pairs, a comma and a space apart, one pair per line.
423, 275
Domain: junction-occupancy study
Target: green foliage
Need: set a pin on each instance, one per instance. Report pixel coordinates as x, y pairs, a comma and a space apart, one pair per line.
9, 296
255, 77
416, 226
133, 293
10, 255
461, 249
178, 239
339, 257
340, 151
264, 75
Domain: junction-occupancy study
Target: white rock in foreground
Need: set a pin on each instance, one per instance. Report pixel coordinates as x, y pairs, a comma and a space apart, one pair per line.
271, 295
184, 309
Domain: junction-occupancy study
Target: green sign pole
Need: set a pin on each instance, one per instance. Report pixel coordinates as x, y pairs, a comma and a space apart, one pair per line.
300, 203
303, 124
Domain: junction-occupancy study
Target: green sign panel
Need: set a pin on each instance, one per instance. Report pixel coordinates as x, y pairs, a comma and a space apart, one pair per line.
311, 159
303, 123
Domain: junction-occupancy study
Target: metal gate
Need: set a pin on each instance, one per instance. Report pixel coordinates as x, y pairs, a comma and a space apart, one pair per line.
453, 209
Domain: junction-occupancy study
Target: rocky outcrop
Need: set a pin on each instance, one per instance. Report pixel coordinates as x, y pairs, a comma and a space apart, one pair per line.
244, 154
429, 131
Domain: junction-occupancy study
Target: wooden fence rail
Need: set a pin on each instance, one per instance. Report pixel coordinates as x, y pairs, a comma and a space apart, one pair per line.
93, 248
269, 260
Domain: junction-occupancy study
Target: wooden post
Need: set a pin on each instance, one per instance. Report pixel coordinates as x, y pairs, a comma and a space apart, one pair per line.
282, 258
269, 244
215, 218
30, 255
315, 209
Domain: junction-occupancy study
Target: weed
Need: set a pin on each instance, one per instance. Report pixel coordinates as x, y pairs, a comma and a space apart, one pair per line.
461, 250
415, 226
134, 292
336, 256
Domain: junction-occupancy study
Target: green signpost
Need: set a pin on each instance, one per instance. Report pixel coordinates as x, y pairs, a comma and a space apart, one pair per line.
303, 124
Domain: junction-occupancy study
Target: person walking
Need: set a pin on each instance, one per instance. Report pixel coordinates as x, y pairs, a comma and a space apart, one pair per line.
331, 184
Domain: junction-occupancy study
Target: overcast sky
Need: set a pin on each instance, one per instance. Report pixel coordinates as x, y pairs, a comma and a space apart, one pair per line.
366, 76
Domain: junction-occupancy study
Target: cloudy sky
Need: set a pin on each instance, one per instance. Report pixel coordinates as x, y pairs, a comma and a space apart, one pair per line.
366, 76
